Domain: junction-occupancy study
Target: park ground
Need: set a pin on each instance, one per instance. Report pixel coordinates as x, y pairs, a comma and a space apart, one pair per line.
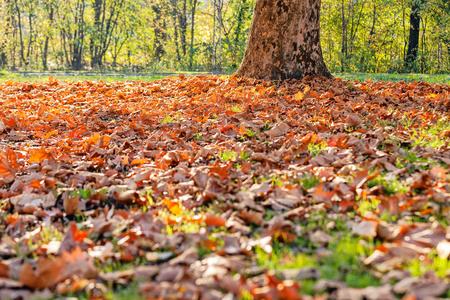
217, 187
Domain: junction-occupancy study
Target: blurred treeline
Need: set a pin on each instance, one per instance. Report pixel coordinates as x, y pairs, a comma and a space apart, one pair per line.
177, 35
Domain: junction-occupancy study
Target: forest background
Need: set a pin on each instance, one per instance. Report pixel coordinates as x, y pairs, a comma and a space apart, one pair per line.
368, 36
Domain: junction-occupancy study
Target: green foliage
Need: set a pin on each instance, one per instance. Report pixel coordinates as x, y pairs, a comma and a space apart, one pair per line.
245, 155
433, 263
316, 148
372, 41
390, 186
227, 155
308, 181
432, 136
342, 263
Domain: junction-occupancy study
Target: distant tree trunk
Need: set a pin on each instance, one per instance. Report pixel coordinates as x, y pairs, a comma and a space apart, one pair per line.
4, 43
182, 19
19, 25
414, 32
344, 37
94, 47
106, 15
448, 52
159, 25
30, 27
284, 41
237, 34
175, 29
374, 20
78, 37
180, 26
47, 37
191, 51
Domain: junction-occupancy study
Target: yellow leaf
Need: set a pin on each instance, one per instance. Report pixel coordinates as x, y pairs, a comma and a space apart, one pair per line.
299, 96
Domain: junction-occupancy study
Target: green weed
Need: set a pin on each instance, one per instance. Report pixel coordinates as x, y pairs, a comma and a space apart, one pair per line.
308, 181
245, 155
198, 136
167, 120
250, 133
227, 155
315, 148
432, 263
390, 187
236, 109
366, 205
343, 263
431, 136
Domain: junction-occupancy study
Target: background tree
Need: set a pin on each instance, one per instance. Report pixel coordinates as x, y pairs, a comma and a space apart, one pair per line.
175, 35
414, 32
106, 15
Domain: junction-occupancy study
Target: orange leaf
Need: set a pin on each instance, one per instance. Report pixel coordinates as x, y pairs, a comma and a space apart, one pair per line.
8, 165
173, 206
299, 96
71, 205
48, 273
35, 183
77, 235
214, 220
321, 196
288, 290
39, 155
138, 161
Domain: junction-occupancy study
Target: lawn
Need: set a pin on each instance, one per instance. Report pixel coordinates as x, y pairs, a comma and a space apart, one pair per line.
199, 187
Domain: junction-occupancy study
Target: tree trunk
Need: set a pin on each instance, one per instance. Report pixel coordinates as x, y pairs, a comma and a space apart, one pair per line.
4, 46
47, 37
191, 51
94, 47
182, 17
344, 38
19, 25
237, 34
414, 32
284, 41
160, 30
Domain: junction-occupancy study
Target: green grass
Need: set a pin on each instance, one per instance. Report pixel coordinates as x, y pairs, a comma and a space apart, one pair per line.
81, 76
431, 136
390, 186
438, 79
37, 77
308, 181
342, 263
433, 263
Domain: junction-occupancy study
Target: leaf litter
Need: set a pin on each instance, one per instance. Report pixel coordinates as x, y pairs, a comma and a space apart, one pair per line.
179, 184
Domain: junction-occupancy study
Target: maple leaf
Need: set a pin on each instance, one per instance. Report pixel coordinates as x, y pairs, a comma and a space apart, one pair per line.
8, 166
39, 155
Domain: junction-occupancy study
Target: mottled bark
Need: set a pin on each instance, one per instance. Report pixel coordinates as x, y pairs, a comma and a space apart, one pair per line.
284, 41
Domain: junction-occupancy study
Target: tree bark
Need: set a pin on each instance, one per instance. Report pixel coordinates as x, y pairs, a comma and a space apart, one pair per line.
160, 30
414, 32
284, 41
47, 36
191, 51
19, 25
